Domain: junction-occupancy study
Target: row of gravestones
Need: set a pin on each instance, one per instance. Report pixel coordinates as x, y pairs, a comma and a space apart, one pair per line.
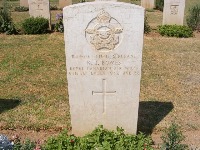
173, 9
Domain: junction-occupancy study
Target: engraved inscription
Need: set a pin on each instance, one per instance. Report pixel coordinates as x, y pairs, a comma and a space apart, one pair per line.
104, 64
174, 9
104, 32
104, 93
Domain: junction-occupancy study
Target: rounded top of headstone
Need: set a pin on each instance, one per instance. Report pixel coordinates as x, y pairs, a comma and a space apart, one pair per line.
104, 4
5, 144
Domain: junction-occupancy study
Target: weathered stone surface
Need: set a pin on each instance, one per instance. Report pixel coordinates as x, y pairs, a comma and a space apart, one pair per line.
173, 12
148, 4
63, 3
103, 46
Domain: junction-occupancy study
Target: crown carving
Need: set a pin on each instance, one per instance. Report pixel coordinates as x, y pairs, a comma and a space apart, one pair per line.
103, 17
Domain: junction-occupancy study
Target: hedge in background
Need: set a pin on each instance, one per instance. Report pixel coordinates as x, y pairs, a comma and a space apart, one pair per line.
21, 8
160, 4
6, 24
175, 31
36, 25
53, 7
193, 19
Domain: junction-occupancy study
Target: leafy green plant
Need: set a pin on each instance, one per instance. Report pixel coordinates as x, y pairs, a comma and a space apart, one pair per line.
21, 8
26, 145
5, 14
101, 139
160, 4
193, 19
36, 25
172, 138
59, 24
175, 31
8, 28
62, 141
17, 144
6, 24
147, 27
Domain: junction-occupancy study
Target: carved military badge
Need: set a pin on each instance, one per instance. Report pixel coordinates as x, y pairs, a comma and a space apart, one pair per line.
104, 32
174, 9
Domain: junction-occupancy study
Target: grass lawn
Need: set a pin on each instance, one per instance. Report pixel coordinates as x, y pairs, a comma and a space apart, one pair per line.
33, 93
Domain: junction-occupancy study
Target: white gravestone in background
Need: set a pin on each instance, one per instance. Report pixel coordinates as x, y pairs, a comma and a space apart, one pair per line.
63, 3
148, 4
173, 12
103, 47
39, 8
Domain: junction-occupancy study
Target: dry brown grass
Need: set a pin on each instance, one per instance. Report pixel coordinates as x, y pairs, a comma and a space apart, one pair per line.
33, 71
171, 70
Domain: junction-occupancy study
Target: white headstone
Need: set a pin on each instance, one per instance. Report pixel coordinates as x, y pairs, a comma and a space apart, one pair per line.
173, 12
39, 8
24, 3
63, 3
148, 4
103, 46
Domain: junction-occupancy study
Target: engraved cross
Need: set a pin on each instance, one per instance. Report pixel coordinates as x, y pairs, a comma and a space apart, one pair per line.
104, 93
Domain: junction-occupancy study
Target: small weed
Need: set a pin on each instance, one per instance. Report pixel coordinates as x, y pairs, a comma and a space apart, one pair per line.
59, 24
172, 138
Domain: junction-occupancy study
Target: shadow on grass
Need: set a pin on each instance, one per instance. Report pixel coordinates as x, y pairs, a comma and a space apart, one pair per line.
151, 113
6, 104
